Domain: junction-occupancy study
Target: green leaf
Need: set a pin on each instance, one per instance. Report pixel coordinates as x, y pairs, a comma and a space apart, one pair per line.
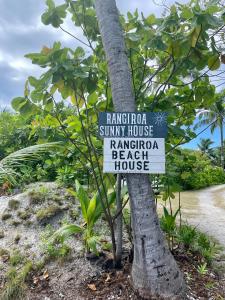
133, 36
91, 210
18, 102
151, 19
175, 48
83, 198
92, 98
195, 35
28, 108
33, 81
66, 231
213, 9
54, 15
166, 213
157, 43
186, 13
92, 243
173, 9
214, 62
36, 96
50, 4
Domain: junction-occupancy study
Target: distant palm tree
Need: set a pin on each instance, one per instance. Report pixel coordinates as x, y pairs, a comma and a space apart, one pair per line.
204, 146
215, 117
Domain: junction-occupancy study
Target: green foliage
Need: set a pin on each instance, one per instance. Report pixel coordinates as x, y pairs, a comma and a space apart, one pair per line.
66, 175
193, 170
54, 15
202, 269
13, 204
13, 128
6, 216
91, 209
186, 235
197, 242
18, 159
205, 247
24, 214
168, 221
54, 248
16, 258
43, 214
37, 196
169, 58
15, 286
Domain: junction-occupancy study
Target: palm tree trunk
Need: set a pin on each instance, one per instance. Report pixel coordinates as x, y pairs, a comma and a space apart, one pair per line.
154, 271
222, 147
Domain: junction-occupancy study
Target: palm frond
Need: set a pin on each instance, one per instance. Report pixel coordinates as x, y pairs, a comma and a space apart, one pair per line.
8, 174
213, 127
203, 122
21, 157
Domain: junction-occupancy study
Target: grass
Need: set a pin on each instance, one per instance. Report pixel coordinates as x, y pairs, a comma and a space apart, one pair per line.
16, 258
15, 286
196, 242
74, 214
16, 222
13, 204
36, 197
24, 214
6, 216
47, 212
54, 249
3, 252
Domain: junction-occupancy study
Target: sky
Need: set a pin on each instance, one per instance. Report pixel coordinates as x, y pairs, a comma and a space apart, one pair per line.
22, 32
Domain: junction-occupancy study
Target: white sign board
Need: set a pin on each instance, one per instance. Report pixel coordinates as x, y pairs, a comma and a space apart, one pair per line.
134, 155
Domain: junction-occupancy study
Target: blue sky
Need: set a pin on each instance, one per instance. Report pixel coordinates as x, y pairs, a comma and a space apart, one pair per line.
215, 137
21, 32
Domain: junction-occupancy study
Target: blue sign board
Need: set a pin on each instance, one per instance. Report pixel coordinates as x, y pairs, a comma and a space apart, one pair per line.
133, 125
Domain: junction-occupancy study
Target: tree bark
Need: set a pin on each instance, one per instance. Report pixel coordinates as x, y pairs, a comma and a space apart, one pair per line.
119, 222
221, 141
154, 271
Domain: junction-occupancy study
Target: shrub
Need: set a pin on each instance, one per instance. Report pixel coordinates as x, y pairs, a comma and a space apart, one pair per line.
197, 242
186, 235
205, 247
193, 170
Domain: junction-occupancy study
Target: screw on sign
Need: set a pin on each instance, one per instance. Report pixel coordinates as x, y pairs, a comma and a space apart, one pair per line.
133, 142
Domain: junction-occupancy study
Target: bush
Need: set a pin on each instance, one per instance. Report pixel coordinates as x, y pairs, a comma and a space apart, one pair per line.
186, 235
193, 170
197, 242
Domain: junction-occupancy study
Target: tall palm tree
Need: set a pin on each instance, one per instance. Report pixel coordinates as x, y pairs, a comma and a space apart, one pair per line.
154, 271
215, 118
204, 146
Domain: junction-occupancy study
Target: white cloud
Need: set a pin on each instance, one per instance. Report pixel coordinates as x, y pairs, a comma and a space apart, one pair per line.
20, 64
21, 32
